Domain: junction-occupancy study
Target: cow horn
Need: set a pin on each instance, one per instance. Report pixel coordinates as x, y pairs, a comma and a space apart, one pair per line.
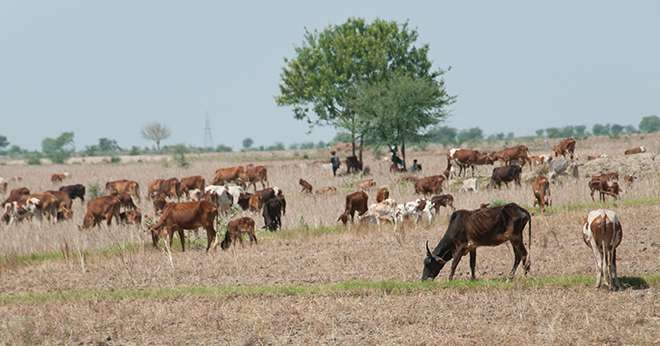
428, 252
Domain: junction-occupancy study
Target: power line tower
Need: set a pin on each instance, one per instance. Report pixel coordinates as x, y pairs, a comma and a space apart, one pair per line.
208, 136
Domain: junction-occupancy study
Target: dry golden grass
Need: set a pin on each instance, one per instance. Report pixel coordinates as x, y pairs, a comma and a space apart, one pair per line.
313, 250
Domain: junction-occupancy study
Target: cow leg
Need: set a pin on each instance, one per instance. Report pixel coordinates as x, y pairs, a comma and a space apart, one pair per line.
458, 254
182, 238
613, 274
210, 237
598, 259
517, 257
473, 263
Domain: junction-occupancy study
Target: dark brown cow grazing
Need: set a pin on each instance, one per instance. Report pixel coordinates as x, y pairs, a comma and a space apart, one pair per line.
236, 228
541, 190
57, 178
326, 190
306, 186
505, 174
123, 186
244, 200
195, 182
382, 194
252, 175
178, 217
355, 202
604, 189
74, 191
227, 175
470, 229
445, 200
566, 146
517, 153
353, 164
429, 185
102, 208
636, 150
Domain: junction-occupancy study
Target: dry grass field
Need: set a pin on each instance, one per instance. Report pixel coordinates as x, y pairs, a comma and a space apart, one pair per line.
318, 282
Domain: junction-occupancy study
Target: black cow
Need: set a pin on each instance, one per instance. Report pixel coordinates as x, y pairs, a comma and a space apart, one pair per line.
469, 229
272, 213
74, 191
353, 164
505, 174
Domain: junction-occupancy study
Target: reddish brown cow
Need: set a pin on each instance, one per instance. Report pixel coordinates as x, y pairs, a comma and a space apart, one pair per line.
178, 217
195, 182
636, 150
604, 189
102, 208
566, 146
123, 186
517, 153
355, 202
153, 188
16, 195
429, 185
227, 175
466, 158
252, 175
131, 217
382, 194
306, 186
236, 228
541, 190
57, 178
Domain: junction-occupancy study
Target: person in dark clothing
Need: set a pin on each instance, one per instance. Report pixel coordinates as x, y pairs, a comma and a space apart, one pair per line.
334, 160
395, 158
416, 167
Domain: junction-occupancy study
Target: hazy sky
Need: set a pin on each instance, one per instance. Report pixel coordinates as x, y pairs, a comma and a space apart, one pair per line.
105, 68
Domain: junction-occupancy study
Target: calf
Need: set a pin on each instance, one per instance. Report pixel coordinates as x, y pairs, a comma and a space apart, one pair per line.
541, 190
636, 150
629, 179
306, 186
445, 200
272, 213
382, 194
101, 208
178, 217
123, 186
429, 185
57, 178
505, 174
326, 190
355, 202
602, 232
470, 229
236, 228
74, 191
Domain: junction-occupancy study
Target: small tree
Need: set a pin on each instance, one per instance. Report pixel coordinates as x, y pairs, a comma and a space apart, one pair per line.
616, 130
540, 132
58, 149
444, 135
649, 124
156, 132
3, 142
247, 143
601, 130
470, 135
581, 131
108, 145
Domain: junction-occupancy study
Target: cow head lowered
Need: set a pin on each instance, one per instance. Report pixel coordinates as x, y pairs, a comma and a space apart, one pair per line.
433, 264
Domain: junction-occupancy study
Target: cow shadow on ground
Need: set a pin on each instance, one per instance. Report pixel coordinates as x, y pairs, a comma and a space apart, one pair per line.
634, 282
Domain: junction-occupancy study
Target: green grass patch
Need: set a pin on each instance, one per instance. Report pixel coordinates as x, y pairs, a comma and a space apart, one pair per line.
577, 206
346, 288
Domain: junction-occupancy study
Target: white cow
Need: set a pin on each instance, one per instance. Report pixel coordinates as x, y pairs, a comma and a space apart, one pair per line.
383, 212
603, 233
415, 210
225, 196
470, 185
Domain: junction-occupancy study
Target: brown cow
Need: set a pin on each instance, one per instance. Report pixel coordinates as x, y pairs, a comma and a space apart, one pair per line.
515, 153
178, 217
567, 145
57, 178
131, 217
604, 189
102, 208
466, 158
636, 150
16, 195
382, 194
326, 190
170, 188
195, 182
355, 202
444, 200
44, 203
251, 175
227, 175
153, 188
123, 186
429, 185
244, 200
64, 205
602, 232
236, 228
541, 190
366, 184
629, 179
306, 186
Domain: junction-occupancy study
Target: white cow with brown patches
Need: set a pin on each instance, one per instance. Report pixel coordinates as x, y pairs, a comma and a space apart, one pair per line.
603, 233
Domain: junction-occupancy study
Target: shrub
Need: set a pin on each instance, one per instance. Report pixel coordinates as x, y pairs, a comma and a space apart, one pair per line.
115, 159
134, 151
34, 159
179, 156
94, 190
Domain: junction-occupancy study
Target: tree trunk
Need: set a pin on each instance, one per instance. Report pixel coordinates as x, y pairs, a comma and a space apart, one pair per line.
158, 146
353, 141
361, 145
403, 152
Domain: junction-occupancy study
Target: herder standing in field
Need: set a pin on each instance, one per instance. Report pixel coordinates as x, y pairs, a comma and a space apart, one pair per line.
334, 160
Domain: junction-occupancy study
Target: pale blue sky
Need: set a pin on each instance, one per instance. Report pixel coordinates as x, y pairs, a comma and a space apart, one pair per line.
104, 68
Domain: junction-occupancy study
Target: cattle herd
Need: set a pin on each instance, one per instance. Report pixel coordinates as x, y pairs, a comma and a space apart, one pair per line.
189, 203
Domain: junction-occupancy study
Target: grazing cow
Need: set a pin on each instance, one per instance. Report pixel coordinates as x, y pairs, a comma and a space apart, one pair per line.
515, 153
228, 175
353, 164
470, 229
602, 232
188, 184
306, 186
273, 208
45, 203
153, 188
367, 184
636, 150
467, 158
260, 197
74, 191
414, 210
604, 189
326, 190
382, 194
131, 217
355, 202
170, 188
505, 174
252, 175
244, 200
64, 205
236, 228
102, 208
3, 185
541, 190
566, 146
16, 194
178, 217
470, 185
159, 203
444, 200
57, 178
123, 186
383, 212
429, 185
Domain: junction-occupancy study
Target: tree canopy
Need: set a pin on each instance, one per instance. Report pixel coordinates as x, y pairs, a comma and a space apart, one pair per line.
650, 124
58, 149
156, 132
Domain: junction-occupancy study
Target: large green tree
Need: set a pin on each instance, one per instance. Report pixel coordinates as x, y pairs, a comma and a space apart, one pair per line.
400, 110
320, 81
650, 124
58, 149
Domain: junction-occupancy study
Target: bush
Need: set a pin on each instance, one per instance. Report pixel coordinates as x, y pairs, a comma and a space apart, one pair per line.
94, 190
221, 148
115, 159
179, 156
134, 151
33, 159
